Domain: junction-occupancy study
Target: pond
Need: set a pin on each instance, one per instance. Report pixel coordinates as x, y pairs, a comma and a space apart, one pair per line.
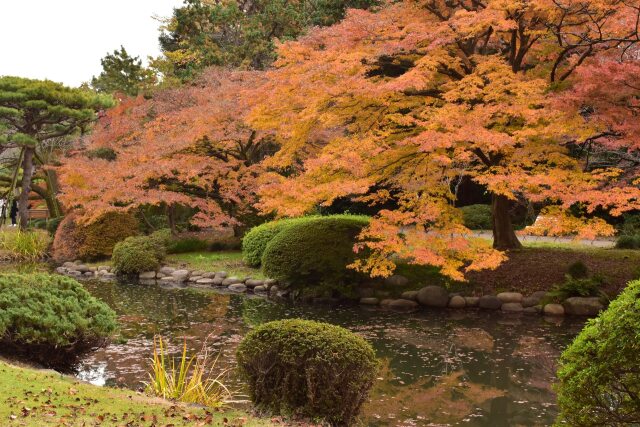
440, 367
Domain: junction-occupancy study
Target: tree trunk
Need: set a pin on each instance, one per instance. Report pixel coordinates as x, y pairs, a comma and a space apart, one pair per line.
504, 237
27, 175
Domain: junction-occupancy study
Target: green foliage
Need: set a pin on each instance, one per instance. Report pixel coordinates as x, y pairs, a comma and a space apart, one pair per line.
138, 254
573, 287
202, 33
53, 224
51, 318
17, 245
598, 378
123, 73
628, 242
104, 153
255, 241
578, 270
630, 224
477, 217
314, 251
307, 368
187, 244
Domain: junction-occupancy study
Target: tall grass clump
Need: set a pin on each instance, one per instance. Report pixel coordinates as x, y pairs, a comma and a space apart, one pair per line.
187, 379
17, 245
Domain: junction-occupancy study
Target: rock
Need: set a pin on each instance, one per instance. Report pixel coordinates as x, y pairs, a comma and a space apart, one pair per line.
533, 299
193, 278
104, 268
270, 282
209, 275
457, 301
369, 301
237, 287
229, 281
402, 305
382, 294
222, 274
197, 273
489, 302
82, 268
61, 270
273, 290
410, 295
93, 269
472, 301
530, 310
512, 307
108, 275
366, 292
147, 275
583, 306
205, 281
507, 297
69, 264
252, 283
433, 296
167, 279
88, 274
74, 273
260, 289
180, 275
396, 280
217, 281
166, 270
553, 310
77, 262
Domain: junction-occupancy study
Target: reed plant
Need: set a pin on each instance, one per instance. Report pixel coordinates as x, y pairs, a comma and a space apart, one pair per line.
189, 379
18, 245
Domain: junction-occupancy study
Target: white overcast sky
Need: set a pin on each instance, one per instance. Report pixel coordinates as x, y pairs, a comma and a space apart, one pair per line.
63, 40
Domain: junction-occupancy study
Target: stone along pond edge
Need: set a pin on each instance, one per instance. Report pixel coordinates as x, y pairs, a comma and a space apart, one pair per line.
427, 297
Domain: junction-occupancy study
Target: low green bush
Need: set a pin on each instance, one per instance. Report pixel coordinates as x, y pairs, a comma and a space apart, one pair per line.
628, 242
51, 319
18, 245
477, 217
307, 368
137, 254
187, 244
52, 225
315, 251
256, 240
578, 270
571, 287
598, 377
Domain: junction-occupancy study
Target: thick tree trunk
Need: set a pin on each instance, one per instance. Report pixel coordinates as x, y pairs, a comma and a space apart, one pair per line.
504, 237
27, 176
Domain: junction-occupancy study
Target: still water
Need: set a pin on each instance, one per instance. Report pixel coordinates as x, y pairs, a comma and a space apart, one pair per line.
440, 368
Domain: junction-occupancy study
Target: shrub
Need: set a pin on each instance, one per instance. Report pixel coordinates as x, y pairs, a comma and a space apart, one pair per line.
187, 244
477, 217
598, 377
314, 250
50, 318
53, 224
255, 241
307, 368
628, 242
578, 270
94, 240
104, 153
584, 287
17, 245
137, 254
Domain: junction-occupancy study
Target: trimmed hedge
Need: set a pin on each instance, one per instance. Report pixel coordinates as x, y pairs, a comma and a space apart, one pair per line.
307, 368
51, 319
138, 254
477, 217
314, 250
256, 240
598, 378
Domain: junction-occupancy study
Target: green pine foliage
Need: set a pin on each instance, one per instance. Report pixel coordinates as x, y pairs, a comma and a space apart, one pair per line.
138, 254
598, 378
123, 73
315, 251
307, 368
51, 319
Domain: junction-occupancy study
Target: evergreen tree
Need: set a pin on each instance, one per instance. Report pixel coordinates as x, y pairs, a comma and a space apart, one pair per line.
122, 73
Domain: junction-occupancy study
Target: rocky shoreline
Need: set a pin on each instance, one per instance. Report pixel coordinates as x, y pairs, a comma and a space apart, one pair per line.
427, 297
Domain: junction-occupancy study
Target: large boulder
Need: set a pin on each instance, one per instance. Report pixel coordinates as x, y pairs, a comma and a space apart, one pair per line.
510, 297
512, 307
553, 310
402, 305
433, 296
396, 280
457, 301
180, 275
471, 301
489, 302
583, 306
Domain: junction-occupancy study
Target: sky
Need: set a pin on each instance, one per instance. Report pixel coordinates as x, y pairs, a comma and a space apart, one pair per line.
64, 40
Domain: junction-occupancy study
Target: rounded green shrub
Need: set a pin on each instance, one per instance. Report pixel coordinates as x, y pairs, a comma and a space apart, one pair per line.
477, 217
307, 368
137, 254
255, 241
51, 319
628, 242
598, 378
314, 250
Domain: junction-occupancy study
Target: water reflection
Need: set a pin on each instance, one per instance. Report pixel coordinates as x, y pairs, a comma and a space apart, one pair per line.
439, 367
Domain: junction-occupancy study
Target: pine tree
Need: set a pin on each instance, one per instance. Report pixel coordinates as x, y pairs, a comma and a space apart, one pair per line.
123, 73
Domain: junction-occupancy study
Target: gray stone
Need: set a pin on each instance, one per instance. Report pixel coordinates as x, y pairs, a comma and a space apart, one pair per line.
77, 262
457, 301
583, 306
104, 268
410, 295
205, 281
93, 269
222, 274
230, 280
507, 297
147, 275
270, 282
209, 275
531, 310
369, 301
472, 301
82, 268
88, 274
237, 287
69, 264
180, 275
366, 292
217, 281
260, 289
512, 307
166, 270
533, 299
193, 278
273, 290
396, 280
252, 283
433, 296
489, 302
197, 273
553, 310
402, 305
61, 270
167, 279
74, 273
108, 275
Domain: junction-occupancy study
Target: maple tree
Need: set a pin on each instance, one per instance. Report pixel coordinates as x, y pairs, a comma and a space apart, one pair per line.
403, 102
186, 146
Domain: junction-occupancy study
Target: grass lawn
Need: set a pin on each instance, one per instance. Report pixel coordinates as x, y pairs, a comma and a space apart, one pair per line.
229, 261
30, 397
